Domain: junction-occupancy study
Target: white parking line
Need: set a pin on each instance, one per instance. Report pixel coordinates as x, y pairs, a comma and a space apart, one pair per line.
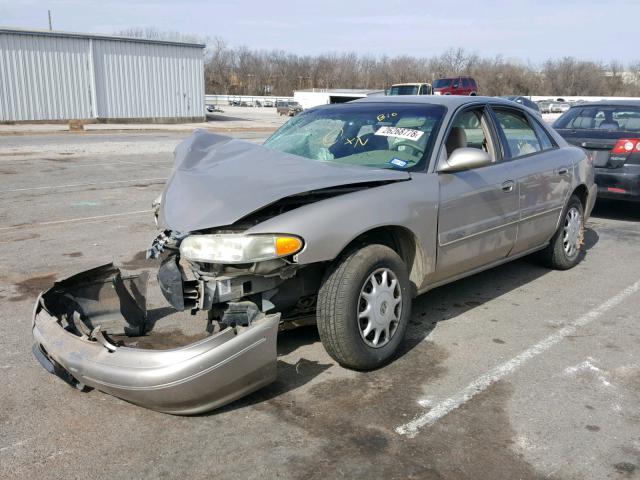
70, 220
73, 185
481, 383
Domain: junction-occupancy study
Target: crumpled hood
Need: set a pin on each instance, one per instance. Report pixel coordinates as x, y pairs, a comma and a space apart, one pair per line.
217, 180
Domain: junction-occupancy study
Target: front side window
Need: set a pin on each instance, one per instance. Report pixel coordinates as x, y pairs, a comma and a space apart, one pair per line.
381, 135
519, 134
470, 130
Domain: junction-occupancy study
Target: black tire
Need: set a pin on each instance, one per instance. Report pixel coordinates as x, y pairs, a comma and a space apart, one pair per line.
555, 254
339, 301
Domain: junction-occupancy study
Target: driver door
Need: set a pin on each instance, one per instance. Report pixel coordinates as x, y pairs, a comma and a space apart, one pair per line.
479, 208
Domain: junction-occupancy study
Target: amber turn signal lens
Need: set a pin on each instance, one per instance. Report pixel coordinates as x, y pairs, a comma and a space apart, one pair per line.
287, 245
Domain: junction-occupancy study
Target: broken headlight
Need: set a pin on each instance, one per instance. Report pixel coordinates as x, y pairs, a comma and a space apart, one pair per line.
238, 248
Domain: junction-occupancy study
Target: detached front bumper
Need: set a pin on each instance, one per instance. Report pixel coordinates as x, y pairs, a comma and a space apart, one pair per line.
72, 324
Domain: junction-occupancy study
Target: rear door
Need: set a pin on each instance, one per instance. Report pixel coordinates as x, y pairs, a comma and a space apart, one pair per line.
478, 211
543, 176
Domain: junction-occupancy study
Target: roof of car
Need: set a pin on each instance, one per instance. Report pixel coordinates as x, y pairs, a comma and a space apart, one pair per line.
602, 103
453, 101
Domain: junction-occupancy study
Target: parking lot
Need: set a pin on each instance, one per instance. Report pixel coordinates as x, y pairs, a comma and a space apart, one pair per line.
516, 373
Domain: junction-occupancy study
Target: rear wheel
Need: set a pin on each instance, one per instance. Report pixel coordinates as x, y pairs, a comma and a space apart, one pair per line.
563, 252
363, 307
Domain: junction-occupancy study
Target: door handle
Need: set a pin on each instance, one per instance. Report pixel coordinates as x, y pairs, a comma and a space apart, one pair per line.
508, 186
563, 171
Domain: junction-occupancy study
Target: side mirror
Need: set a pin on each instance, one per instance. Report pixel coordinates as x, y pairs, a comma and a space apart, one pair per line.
465, 159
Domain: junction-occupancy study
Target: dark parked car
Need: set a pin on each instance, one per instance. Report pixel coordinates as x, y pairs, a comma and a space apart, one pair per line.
455, 86
610, 132
523, 101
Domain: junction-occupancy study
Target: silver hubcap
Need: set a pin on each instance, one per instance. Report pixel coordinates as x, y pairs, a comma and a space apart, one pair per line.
572, 234
379, 308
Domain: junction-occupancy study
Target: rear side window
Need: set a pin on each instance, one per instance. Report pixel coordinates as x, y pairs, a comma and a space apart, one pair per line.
519, 134
466, 83
615, 118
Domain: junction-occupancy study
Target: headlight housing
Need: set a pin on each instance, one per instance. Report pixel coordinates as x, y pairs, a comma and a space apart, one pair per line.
238, 248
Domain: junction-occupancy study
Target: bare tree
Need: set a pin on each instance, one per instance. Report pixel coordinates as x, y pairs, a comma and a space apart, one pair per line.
241, 70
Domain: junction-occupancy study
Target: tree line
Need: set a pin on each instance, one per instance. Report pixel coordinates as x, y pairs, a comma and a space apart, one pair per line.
241, 70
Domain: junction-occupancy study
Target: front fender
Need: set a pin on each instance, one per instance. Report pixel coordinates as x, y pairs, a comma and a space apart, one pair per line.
328, 226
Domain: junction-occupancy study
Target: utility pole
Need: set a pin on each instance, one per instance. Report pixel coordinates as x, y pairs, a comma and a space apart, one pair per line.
49, 12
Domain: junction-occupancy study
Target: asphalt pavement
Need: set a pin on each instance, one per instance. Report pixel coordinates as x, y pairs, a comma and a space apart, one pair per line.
515, 373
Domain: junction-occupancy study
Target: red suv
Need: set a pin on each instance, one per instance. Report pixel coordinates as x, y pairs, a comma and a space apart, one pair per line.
455, 86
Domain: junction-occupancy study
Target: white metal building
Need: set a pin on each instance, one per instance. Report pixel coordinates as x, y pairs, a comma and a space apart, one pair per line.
52, 76
322, 96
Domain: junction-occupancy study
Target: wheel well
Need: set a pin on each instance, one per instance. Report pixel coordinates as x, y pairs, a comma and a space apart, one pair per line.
402, 241
581, 192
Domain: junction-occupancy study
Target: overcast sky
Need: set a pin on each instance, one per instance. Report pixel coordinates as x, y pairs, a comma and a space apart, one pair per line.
528, 30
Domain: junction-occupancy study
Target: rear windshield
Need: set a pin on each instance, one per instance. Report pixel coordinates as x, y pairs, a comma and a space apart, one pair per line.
404, 90
442, 83
381, 135
614, 118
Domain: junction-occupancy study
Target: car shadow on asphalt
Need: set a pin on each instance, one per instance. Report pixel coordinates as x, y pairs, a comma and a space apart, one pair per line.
428, 310
212, 117
456, 298
616, 210
290, 375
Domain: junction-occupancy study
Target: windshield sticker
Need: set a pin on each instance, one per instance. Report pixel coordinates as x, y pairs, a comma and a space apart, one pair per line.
407, 133
384, 116
398, 162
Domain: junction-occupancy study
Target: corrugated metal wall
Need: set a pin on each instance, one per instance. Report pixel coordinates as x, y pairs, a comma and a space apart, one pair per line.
148, 80
57, 77
44, 78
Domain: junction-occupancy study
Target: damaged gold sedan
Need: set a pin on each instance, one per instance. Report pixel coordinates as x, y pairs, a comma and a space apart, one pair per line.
343, 216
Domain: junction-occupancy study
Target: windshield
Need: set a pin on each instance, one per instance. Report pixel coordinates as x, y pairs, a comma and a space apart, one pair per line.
381, 135
606, 117
404, 90
442, 83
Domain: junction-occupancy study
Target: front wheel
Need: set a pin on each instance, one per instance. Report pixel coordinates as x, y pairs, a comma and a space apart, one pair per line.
364, 306
563, 252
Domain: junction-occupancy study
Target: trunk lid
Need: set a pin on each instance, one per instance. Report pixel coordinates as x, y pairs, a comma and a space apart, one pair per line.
599, 144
